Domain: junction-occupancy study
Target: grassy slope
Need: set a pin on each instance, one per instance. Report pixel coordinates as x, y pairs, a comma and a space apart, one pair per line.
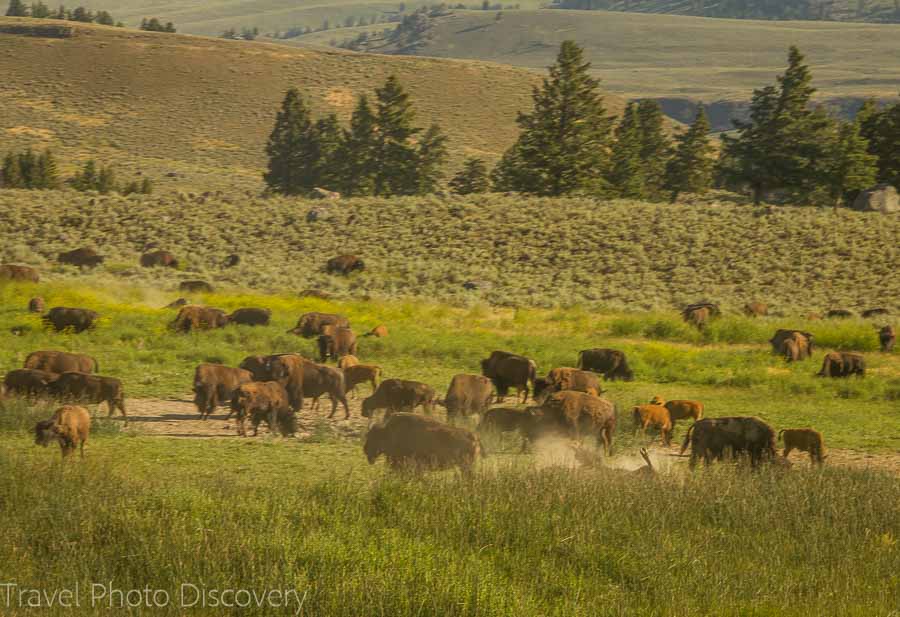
640, 55
204, 107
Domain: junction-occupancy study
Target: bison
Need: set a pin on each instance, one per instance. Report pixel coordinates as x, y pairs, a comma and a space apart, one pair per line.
194, 317
347, 361
344, 265
714, 438
838, 314
680, 409
560, 379
509, 370
69, 426
803, 339
28, 382
339, 342
250, 317
395, 395
37, 305
61, 362
83, 258
214, 384
756, 309
653, 415
887, 338
378, 331
505, 420
61, 318
410, 440
700, 313
611, 363
195, 286
312, 324
302, 378
804, 440
468, 394
263, 401
19, 274
159, 258
578, 414
75, 387
231, 261
361, 373
875, 312
842, 364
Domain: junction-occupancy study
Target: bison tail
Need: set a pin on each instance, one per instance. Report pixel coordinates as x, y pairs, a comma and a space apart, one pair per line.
779, 435
580, 364
687, 439
96, 365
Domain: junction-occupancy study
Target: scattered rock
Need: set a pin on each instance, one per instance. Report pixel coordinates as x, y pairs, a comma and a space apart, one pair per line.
881, 198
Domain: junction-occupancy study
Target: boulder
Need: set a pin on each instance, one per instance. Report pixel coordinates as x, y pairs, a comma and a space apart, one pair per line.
881, 198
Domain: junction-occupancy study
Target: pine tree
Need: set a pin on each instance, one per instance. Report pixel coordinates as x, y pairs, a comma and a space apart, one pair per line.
358, 152
28, 168
40, 10
86, 179
396, 157
655, 147
12, 173
106, 180
881, 128
472, 178
848, 166
564, 141
292, 148
690, 168
328, 140
46, 173
82, 14
430, 157
17, 8
627, 173
146, 186
104, 19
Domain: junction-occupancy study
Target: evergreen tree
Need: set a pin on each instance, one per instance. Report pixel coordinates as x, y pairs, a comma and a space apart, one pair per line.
61, 13
881, 128
17, 8
86, 179
563, 145
82, 14
848, 165
46, 174
106, 180
472, 178
146, 186
12, 173
28, 168
292, 148
690, 168
328, 141
40, 10
627, 173
396, 157
655, 147
430, 157
104, 19
358, 152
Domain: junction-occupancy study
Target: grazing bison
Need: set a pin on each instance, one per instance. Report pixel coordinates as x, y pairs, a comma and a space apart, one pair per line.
611, 363
74, 387
69, 426
508, 370
378, 331
214, 384
28, 382
250, 317
61, 318
801, 338
312, 324
195, 287
395, 395
19, 274
410, 440
887, 338
560, 379
161, 258
838, 314
653, 415
61, 362
83, 258
579, 414
231, 261
176, 303
700, 313
875, 312
756, 309
842, 364
361, 373
263, 401
344, 264
468, 394
805, 440
37, 305
714, 438
339, 342
347, 361
795, 348
302, 378
194, 317
680, 409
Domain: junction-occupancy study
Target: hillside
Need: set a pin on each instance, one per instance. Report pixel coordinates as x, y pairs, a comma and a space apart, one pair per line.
202, 108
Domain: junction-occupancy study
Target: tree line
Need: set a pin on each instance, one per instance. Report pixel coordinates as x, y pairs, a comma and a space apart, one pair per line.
30, 170
39, 10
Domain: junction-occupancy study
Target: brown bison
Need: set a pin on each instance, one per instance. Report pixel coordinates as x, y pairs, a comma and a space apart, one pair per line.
339, 342
347, 361
195, 287
468, 394
804, 440
656, 416
37, 305
231, 261
174, 304
263, 401
19, 274
564, 378
160, 258
680, 409
250, 317
505, 420
28, 382
302, 378
344, 264
715, 438
378, 331
838, 314
361, 373
260, 366
802, 340
611, 363
312, 324
508, 370
579, 414
61, 318
214, 384
69, 426
74, 387
410, 440
875, 312
756, 309
395, 395
61, 362
842, 364
194, 317
700, 313
83, 258
887, 338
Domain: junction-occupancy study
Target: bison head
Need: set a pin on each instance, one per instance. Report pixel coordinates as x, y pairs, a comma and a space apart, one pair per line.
658, 400
369, 405
44, 432
374, 445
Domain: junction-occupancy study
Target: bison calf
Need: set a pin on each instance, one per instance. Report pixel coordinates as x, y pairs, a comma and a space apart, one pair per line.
653, 415
805, 440
69, 426
361, 373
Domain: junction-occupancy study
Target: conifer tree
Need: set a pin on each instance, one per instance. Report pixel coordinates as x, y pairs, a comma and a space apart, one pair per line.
627, 173
430, 156
328, 145
106, 180
655, 147
358, 152
46, 172
104, 19
848, 166
396, 157
40, 10
292, 148
12, 173
28, 168
87, 178
690, 168
17, 8
881, 128
472, 178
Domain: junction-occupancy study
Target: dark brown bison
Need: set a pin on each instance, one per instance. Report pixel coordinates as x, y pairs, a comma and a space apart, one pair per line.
83, 258
62, 318
344, 264
756, 309
28, 382
69, 427
259, 366
37, 305
361, 373
73, 387
214, 384
838, 314
579, 414
656, 416
263, 401
842, 364
805, 440
680, 409
250, 317
505, 420
715, 438
160, 258
302, 378
195, 287
508, 370
411, 440
468, 394
19, 274
395, 395
61, 362
378, 331
193, 317
700, 314
231, 261
565, 378
611, 363
803, 339
312, 324
339, 342
887, 338
875, 312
